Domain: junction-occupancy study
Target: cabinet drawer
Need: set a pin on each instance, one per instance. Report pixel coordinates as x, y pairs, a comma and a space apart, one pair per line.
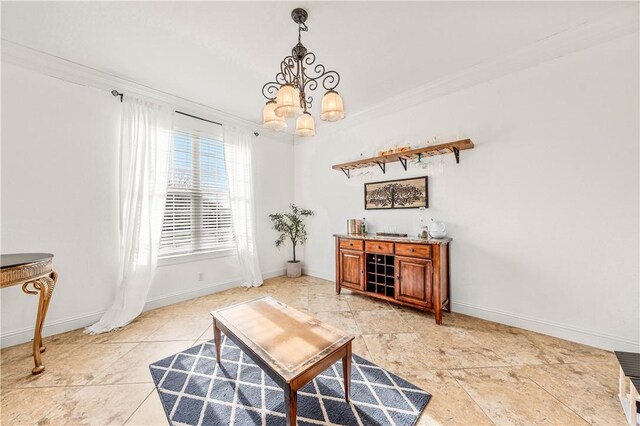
378, 247
413, 250
351, 244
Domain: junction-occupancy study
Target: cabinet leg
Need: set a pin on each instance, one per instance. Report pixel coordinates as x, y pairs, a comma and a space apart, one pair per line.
438, 315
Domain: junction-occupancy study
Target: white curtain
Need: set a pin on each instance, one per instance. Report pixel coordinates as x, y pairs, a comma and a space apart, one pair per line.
145, 143
237, 151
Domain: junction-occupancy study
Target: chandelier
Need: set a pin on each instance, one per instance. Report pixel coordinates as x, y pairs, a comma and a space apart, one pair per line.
288, 97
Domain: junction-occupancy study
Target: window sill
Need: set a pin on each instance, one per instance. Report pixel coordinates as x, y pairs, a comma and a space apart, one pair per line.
195, 257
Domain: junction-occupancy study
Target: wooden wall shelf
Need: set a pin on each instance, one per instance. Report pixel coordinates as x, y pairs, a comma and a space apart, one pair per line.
404, 157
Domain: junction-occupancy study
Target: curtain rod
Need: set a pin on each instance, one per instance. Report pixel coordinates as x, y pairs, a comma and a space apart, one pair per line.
198, 118
121, 95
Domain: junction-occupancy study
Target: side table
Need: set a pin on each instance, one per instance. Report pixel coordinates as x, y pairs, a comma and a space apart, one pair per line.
33, 270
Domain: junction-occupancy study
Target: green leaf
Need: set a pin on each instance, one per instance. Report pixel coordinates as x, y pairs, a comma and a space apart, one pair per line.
290, 225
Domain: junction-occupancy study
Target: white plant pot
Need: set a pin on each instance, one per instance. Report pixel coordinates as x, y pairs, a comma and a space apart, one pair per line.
294, 269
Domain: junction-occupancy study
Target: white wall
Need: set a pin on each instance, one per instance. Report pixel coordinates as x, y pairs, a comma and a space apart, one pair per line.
59, 195
543, 212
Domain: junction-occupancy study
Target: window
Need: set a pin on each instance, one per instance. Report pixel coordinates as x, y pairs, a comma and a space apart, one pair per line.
197, 217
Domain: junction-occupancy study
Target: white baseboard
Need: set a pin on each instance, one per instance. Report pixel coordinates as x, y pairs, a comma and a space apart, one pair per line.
181, 296
562, 331
63, 325
22, 335
319, 274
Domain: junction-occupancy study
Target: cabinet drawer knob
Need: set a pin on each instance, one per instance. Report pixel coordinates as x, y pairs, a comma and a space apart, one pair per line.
411, 250
379, 247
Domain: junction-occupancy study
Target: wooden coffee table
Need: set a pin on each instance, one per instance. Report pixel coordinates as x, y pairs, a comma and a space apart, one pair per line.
290, 346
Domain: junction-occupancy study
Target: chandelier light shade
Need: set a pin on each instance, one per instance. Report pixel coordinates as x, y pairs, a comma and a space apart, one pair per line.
305, 125
288, 102
299, 74
332, 107
269, 118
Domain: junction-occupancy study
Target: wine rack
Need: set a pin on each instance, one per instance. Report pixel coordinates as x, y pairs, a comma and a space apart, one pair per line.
380, 274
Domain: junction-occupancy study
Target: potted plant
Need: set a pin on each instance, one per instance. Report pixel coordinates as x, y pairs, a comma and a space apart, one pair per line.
291, 226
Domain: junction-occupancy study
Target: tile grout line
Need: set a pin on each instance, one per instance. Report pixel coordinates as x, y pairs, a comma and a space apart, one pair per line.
472, 398
503, 366
554, 397
97, 373
88, 385
358, 325
44, 416
139, 405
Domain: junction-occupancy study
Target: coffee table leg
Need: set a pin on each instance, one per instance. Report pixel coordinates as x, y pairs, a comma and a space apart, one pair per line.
346, 372
216, 338
291, 405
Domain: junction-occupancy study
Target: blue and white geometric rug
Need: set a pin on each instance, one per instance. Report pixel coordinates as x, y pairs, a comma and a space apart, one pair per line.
195, 390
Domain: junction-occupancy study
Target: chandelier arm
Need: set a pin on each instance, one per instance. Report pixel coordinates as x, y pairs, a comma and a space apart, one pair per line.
288, 70
286, 75
330, 79
308, 102
270, 90
311, 84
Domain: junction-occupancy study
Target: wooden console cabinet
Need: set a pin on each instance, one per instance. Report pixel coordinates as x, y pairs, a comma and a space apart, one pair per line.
407, 271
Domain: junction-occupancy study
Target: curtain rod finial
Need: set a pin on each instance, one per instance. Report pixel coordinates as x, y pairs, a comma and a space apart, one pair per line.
116, 93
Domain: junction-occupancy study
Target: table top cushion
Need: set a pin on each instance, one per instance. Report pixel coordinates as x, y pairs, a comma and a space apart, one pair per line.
17, 259
288, 340
630, 363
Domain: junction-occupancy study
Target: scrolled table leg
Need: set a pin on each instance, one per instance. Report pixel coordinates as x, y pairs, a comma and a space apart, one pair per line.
43, 286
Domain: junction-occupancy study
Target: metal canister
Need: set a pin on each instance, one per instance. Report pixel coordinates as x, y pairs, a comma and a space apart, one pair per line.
354, 226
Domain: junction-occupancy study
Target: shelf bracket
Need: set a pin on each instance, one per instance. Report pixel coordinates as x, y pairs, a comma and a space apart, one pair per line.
456, 152
383, 166
403, 161
346, 172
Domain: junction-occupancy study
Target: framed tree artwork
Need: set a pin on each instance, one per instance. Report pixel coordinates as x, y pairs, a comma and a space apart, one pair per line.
409, 193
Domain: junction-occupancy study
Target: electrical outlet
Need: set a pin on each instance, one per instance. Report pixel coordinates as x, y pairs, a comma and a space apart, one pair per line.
201, 276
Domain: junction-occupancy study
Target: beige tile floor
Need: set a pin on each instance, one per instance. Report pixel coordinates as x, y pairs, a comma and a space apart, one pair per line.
478, 372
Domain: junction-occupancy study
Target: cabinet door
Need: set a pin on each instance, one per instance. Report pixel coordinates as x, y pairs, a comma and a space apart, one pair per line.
414, 281
352, 269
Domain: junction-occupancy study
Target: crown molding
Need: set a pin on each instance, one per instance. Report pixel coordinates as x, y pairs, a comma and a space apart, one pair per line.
73, 72
585, 35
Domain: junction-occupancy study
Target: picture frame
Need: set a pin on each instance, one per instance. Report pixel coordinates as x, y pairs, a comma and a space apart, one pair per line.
409, 193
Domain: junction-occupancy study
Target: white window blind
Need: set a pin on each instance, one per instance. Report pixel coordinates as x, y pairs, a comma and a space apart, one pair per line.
197, 215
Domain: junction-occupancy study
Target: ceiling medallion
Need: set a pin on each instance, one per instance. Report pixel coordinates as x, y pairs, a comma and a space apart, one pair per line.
288, 95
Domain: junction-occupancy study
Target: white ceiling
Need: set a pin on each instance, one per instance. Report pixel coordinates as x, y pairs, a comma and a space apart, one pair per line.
221, 53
